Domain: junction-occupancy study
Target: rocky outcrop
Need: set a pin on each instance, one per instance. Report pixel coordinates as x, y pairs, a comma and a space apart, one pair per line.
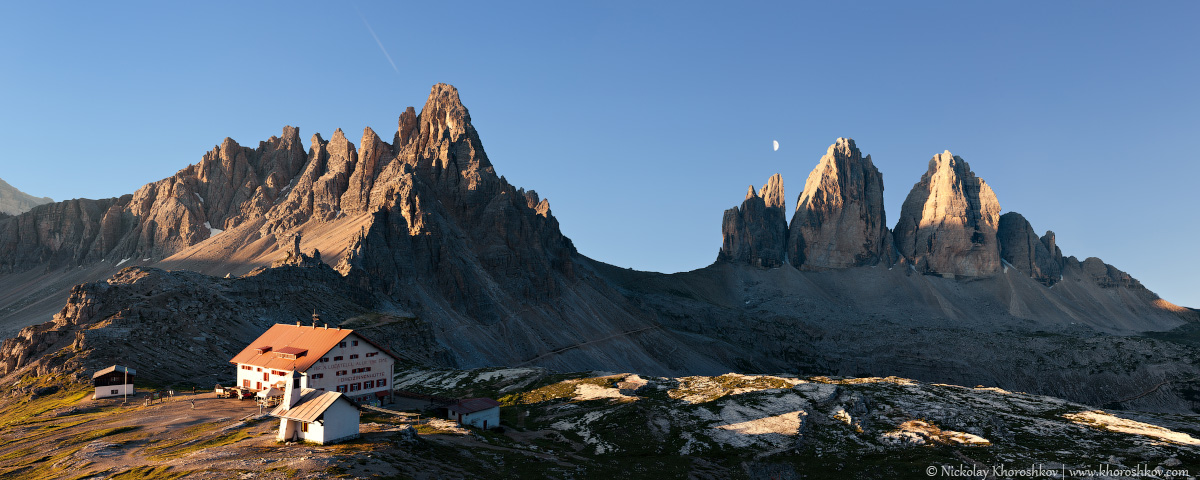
948, 222
297, 258
317, 192
61, 234
1048, 240
1105, 275
1022, 248
839, 220
756, 232
15, 202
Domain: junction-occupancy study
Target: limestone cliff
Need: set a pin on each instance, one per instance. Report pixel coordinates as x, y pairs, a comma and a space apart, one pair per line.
839, 220
948, 222
1022, 248
756, 233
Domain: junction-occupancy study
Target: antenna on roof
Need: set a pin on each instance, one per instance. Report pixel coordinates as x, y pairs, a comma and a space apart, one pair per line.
316, 318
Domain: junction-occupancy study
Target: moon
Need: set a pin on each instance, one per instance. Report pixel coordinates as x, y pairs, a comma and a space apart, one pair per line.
776, 142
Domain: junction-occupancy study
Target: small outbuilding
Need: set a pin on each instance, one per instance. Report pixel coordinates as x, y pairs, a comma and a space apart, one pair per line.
113, 381
317, 416
478, 412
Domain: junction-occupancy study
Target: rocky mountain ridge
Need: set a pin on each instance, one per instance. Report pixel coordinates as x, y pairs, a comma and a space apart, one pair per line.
423, 224
423, 233
16, 202
950, 225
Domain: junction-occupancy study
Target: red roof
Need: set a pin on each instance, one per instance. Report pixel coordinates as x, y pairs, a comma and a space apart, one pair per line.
284, 338
472, 405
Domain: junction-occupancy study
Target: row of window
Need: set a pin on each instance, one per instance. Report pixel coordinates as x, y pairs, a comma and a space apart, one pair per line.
353, 371
278, 373
352, 357
369, 384
353, 387
353, 343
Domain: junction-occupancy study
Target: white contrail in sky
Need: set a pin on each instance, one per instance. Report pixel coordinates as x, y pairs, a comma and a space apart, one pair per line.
376, 37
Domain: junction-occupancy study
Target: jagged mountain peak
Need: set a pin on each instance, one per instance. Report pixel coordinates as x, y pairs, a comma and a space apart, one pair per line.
406, 126
840, 221
280, 185
756, 232
772, 192
842, 146
948, 221
750, 193
444, 116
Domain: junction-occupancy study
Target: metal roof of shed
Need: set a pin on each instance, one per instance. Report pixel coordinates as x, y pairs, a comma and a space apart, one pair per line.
312, 404
114, 368
472, 405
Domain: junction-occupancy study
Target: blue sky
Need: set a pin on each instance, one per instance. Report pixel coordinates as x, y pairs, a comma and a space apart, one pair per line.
643, 123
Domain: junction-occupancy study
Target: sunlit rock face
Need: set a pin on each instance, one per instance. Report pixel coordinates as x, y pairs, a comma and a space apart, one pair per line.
948, 222
839, 220
756, 232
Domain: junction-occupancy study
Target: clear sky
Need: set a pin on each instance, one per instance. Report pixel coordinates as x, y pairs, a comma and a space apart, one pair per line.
643, 121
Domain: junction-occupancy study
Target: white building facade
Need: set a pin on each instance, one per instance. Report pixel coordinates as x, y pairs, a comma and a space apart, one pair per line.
328, 359
114, 381
316, 416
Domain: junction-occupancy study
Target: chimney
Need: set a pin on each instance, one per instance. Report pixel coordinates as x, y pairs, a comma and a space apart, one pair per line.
297, 323
327, 326
291, 396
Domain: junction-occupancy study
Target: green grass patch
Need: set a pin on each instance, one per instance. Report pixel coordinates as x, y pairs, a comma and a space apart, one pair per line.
554, 391
26, 410
16, 454
186, 435
38, 468
217, 441
148, 473
427, 429
95, 434
707, 389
